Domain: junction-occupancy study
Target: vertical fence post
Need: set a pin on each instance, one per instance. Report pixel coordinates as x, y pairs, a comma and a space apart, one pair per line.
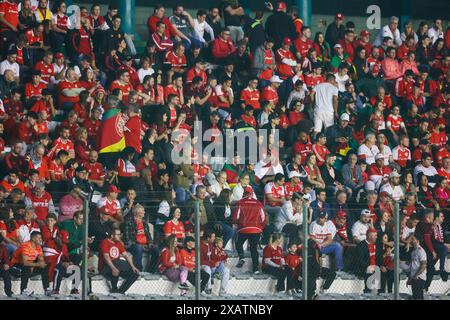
84, 273
305, 253
397, 252
197, 250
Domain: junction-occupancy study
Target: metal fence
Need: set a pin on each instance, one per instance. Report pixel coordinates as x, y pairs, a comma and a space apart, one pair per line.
344, 268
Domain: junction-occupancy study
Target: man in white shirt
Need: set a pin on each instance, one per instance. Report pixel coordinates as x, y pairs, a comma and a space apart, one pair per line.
368, 150
360, 227
390, 30
392, 188
238, 190
10, 64
417, 275
201, 26
427, 169
436, 31
322, 231
326, 104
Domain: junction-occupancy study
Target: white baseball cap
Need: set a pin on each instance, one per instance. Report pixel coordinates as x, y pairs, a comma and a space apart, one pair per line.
366, 212
379, 156
337, 46
345, 117
294, 174
394, 174
276, 79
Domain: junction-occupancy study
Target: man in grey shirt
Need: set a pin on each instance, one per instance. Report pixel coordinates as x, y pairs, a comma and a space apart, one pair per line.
418, 266
185, 24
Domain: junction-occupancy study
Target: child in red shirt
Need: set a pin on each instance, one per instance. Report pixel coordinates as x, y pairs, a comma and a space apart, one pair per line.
293, 261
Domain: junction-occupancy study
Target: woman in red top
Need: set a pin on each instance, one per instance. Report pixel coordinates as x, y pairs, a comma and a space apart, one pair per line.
83, 107
82, 147
273, 262
296, 115
88, 80
175, 226
170, 262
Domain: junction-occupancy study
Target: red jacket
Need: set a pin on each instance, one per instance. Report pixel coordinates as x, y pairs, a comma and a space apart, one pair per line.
164, 259
205, 254
250, 216
218, 255
222, 49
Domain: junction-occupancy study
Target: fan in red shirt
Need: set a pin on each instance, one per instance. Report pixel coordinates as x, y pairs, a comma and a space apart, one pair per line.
364, 41
293, 261
175, 88
27, 129
10, 13
250, 96
158, 16
41, 201
302, 146
270, 93
197, 71
273, 263
46, 67
69, 89
33, 90
63, 143
122, 83
347, 44
438, 135
110, 263
110, 205
132, 130
401, 153
303, 43
175, 59
316, 77
175, 226
248, 116
285, 60
320, 149
222, 46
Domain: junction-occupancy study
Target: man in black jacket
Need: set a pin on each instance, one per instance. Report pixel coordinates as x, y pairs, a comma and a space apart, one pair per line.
368, 257
335, 31
254, 31
280, 25
7, 84
137, 239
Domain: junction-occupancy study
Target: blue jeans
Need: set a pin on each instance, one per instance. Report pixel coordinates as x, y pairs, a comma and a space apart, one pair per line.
11, 248
228, 233
137, 251
336, 249
194, 41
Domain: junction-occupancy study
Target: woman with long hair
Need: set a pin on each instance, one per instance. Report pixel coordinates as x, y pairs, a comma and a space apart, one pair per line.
425, 193
322, 48
60, 28
170, 263
126, 171
82, 147
273, 263
174, 226
312, 170
360, 63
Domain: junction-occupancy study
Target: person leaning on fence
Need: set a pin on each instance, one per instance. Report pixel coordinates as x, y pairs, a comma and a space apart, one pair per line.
137, 239
251, 220
417, 275
114, 262
368, 257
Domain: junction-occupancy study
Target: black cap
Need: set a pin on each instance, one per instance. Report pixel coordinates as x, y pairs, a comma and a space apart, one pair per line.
316, 65
128, 58
409, 73
80, 168
323, 214
189, 239
36, 73
12, 51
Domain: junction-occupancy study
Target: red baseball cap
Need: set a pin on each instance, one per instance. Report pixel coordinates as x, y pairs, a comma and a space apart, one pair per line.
287, 40
339, 16
281, 6
113, 188
248, 190
59, 55
341, 214
371, 230
364, 33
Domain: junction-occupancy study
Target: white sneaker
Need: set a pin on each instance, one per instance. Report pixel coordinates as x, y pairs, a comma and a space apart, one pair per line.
27, 293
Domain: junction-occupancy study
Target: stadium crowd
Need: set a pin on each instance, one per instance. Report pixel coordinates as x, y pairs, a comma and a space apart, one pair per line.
360, 115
